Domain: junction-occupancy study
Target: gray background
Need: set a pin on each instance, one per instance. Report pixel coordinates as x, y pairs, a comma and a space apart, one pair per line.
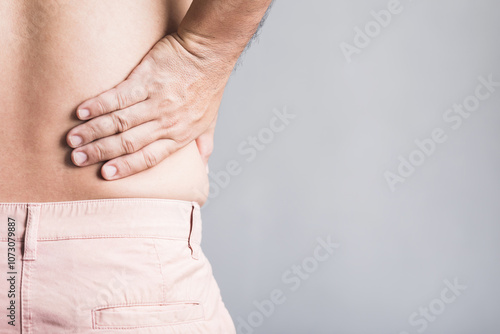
324, 173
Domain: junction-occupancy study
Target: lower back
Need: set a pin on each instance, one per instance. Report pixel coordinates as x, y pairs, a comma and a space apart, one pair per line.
57, 54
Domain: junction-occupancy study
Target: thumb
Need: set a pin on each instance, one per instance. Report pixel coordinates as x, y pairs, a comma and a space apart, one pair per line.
205, 142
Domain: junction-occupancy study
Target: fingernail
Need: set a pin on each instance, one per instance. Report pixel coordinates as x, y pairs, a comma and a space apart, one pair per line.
83, 113
109, 171
80, 158
75, 140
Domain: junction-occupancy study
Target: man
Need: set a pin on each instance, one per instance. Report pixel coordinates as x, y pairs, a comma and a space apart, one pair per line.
101, 207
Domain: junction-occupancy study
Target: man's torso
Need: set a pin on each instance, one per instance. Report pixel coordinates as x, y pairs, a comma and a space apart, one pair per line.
54, 55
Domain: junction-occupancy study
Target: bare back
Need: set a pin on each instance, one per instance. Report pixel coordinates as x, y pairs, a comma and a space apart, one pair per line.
55, 54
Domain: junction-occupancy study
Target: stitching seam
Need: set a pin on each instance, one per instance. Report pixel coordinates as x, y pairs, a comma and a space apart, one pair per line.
163, 284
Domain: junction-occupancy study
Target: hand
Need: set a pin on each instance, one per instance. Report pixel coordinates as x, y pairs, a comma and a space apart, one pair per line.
205, 143
170, 99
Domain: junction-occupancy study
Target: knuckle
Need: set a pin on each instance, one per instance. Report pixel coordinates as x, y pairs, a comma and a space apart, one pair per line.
170, 120
149, 159
162, 132
122, 99
125, 166
100, 106
139, 92
128, 144
183, 136
99, 152
148, 80
91, 130
121, 124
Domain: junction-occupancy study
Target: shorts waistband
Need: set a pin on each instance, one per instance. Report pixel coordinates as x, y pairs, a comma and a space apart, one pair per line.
102, 218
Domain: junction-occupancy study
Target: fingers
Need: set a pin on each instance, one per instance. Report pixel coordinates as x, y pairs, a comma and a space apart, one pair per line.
147, 157
124, 95
110, 124
111, 147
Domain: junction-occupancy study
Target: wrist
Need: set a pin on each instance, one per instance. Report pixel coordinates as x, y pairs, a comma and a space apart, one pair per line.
199, 61
224, 51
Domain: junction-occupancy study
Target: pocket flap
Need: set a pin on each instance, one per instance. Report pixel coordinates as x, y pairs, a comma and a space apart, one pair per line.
147, 315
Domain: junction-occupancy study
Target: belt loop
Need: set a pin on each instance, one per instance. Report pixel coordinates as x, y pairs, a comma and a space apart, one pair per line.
31, 232
194, 230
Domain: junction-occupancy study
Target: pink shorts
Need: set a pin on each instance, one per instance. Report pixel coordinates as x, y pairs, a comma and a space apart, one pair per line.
119, 265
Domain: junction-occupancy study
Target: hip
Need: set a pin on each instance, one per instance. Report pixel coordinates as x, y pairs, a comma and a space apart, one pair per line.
114, 265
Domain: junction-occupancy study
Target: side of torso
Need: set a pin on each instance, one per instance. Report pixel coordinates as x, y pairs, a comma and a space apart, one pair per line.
55, 54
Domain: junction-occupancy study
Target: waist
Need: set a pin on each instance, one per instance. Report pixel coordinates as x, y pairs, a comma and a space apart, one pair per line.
104, 218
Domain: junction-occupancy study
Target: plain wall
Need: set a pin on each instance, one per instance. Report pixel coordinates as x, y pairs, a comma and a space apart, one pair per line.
324, 174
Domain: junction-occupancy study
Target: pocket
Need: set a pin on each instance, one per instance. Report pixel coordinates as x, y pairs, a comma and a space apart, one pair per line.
147, 315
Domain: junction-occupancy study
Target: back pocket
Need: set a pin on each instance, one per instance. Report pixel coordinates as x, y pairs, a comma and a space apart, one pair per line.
147, 315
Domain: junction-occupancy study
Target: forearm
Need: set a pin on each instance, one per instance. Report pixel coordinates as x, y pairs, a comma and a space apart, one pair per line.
223, 27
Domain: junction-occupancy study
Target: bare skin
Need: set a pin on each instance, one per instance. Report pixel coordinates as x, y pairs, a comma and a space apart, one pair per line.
60, 55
